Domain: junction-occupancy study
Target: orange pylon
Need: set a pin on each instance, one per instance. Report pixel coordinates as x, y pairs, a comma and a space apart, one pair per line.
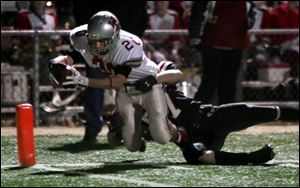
25, 125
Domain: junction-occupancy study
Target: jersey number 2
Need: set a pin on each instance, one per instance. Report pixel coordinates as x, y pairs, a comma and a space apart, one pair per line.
127, 44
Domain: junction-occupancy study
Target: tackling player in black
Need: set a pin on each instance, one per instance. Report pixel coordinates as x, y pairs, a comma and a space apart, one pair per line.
201, 129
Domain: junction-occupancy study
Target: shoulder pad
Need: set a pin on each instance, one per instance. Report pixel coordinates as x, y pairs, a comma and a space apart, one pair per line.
80, 33
166, 65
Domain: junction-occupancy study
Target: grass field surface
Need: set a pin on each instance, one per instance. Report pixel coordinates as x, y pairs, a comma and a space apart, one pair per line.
63, 161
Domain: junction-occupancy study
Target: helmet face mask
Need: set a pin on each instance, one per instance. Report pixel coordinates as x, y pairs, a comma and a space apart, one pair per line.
103, 33
100, 47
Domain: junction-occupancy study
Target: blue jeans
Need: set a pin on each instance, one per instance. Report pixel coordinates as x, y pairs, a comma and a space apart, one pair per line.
93, 104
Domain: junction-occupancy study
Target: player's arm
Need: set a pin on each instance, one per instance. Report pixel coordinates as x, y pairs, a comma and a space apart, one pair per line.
114, 82
169, 76
121, 74
111, 82
63, 59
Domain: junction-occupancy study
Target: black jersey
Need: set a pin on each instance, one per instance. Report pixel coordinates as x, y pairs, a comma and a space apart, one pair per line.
183, 111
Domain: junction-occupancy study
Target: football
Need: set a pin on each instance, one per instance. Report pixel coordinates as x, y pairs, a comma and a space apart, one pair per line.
58, 73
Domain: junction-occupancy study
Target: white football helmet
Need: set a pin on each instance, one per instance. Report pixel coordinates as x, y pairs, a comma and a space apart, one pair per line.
103, 33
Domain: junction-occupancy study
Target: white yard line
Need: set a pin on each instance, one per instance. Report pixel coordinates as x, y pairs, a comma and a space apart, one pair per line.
49, 167
59, 168
4, 167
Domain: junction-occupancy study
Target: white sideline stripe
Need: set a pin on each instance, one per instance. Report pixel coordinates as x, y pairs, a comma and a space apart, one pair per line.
151, 184
286, 163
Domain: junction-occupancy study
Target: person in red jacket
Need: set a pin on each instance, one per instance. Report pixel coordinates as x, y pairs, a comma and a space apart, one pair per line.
285, 16
36, 17
220, 30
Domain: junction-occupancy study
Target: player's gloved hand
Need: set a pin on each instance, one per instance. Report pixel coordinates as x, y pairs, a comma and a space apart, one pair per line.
76, 78
145, 84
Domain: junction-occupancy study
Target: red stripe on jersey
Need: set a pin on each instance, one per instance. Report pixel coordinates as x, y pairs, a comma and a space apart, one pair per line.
162, 66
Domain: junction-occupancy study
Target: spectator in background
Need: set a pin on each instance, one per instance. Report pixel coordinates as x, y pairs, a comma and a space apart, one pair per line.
219, 30
65, 14
284, 16
164, 46
36, 17
163, 18
184, 10
133, 16
262, 18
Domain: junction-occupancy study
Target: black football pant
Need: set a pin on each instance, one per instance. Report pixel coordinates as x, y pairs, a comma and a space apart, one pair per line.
216, 122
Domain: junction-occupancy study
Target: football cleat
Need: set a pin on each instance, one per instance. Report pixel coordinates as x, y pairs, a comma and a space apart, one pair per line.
262, 155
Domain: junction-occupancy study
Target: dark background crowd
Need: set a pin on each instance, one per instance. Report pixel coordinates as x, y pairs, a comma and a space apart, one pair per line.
197, 50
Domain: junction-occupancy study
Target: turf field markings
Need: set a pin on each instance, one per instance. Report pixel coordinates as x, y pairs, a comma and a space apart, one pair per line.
180, 168
76, 164
102, 164
4, 167
90, 175
286, 163
118, 164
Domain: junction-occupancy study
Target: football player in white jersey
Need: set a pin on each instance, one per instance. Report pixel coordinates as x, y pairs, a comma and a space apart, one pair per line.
120, 54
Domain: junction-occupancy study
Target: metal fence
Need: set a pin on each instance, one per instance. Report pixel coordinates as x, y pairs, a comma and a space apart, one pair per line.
265, 66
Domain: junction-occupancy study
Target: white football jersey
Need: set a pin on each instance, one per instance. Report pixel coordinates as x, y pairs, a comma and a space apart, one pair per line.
128, 51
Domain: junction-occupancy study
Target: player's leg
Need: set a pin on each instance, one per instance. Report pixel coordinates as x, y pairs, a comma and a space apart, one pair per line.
114, 134
287, 112
131, 116
93, 104
155, 105
260, 156
228, 76
239, 116
198, 153
216, 141
212, 60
